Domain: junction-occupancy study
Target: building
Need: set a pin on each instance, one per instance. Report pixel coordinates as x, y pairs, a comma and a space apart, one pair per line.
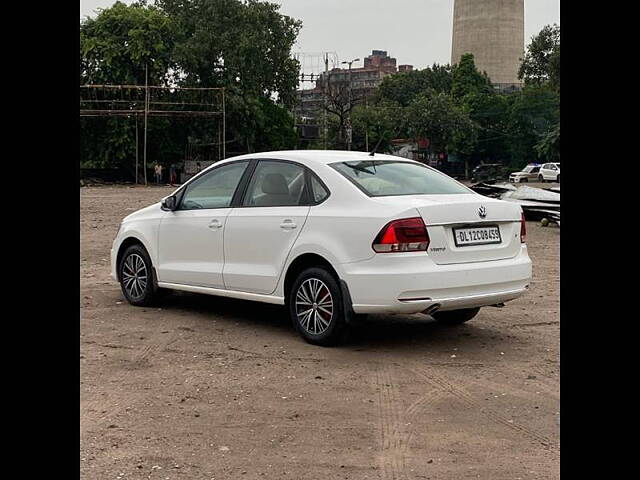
364, 80
493, 31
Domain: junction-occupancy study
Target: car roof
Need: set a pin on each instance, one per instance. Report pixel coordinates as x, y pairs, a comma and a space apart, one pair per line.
309, 157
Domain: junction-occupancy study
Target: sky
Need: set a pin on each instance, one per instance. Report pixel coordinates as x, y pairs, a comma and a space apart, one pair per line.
416, 32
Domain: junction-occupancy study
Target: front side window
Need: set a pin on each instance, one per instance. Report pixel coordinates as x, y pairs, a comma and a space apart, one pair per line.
214, 189
276, 184
388, 178
535, 169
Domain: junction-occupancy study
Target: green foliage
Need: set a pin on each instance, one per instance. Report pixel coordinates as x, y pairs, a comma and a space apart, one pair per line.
435, 116
384, 120
467, 80
532, 114
402, 88
541, 62
243, 46
116, 46
549, 145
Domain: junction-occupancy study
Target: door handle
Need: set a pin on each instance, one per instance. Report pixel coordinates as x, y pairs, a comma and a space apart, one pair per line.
288, 225
215, 224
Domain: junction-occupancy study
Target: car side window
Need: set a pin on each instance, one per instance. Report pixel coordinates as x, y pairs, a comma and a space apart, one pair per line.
214, 189
535, 169
276, 184
319, 192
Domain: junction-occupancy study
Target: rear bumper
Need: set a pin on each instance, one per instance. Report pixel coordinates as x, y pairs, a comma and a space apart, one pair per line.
411, 283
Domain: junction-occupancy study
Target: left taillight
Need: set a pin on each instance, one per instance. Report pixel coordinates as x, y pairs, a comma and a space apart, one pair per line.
405, 235
523, 229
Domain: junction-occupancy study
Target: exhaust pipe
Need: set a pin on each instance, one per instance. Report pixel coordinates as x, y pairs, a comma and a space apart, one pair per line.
432, 309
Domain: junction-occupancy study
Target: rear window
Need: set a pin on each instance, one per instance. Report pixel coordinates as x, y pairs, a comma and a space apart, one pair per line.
389, 178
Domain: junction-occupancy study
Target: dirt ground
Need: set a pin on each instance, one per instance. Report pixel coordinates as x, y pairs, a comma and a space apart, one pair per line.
213, 388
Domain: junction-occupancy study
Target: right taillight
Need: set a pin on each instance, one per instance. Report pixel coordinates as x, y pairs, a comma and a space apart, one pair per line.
523, 229
405, 235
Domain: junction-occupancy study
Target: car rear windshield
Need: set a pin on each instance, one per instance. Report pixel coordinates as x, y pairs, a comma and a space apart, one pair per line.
389, 178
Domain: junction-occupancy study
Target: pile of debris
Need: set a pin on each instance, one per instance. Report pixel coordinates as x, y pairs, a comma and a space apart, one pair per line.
536, 203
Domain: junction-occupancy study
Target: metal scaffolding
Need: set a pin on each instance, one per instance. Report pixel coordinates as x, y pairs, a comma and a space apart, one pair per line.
153, 101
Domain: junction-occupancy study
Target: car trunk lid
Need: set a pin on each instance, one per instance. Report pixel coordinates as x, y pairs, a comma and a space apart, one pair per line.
478, 217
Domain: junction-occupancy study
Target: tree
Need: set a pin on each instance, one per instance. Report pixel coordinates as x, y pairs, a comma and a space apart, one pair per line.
403, 87
447, 126
467, 80
548, 147
116, 47
541, 63
533, 114
382, 122
118, 44
243, 46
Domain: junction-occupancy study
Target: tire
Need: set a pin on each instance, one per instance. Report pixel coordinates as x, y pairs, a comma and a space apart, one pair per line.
456, 317
540, 178
318, 319
140, 288
524, 180
558, 179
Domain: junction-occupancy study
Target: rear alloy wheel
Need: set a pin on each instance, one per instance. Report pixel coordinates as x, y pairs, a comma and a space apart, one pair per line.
456, 317
136, 276
315, 307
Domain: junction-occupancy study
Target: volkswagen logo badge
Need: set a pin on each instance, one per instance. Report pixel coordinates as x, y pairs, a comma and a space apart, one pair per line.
482, 212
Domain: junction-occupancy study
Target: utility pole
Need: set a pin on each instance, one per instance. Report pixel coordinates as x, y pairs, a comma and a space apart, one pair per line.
146, 114
348, 122
224, 127
325, 128
366, 129
137, 148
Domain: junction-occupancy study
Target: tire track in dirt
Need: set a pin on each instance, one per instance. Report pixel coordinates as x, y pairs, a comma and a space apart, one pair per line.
393, 434
468, 400
110, 406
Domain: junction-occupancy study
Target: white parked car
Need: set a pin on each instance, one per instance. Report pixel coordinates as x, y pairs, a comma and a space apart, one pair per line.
330, 235
549, 172
530, 172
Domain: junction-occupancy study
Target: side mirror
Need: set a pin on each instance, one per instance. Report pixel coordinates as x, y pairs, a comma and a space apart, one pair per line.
169, 203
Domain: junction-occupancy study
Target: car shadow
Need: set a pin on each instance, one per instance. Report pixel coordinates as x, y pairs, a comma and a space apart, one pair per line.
375, 332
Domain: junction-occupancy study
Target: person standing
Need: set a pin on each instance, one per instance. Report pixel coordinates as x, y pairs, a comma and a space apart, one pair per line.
172, 174
158, 171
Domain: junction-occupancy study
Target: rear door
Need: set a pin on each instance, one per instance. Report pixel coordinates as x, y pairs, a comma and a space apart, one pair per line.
260, 233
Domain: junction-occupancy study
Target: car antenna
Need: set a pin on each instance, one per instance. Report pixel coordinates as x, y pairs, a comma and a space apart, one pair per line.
375, 149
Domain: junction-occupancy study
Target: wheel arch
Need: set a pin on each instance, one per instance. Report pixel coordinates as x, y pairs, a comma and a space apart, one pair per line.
126, 243
302, 262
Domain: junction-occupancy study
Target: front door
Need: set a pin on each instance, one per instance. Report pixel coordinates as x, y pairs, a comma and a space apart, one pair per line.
190, 241
260, 233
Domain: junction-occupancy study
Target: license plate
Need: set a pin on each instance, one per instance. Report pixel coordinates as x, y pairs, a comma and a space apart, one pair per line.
476, 236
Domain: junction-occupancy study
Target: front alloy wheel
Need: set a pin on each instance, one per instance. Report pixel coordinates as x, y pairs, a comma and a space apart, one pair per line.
136, 276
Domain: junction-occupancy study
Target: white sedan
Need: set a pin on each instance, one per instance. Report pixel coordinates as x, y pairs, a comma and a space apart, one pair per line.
329, 234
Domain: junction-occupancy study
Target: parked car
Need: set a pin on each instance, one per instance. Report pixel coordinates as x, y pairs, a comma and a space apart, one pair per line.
488, 171
530, 172
331, 235
549, 172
